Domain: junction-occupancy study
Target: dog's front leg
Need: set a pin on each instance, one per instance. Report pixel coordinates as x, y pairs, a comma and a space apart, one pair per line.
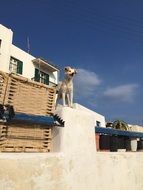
64, 98
68, 100
71, 99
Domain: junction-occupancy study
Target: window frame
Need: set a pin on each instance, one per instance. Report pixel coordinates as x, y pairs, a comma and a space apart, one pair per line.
41, 76
18, 64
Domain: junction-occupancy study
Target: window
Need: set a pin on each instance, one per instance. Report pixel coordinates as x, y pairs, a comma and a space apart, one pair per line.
15, 66
41, 77
98, 124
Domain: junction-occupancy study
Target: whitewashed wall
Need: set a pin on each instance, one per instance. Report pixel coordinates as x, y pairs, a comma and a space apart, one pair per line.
6, 37
97, 116
76, 165
28, 67
137, 128
120, 171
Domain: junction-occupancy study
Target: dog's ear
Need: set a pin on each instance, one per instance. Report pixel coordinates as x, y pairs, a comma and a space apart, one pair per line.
66, 68
75, 71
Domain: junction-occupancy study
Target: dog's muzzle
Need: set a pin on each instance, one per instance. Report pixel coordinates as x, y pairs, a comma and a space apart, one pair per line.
72, 74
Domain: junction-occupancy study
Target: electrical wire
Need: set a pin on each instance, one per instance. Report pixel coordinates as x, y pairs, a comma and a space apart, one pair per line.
90, 17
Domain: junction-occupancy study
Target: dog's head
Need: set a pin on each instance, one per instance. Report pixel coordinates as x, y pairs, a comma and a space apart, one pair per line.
70, 72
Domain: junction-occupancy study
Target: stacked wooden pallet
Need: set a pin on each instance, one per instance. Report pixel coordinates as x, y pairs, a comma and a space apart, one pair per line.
26, 97
3, 82
25, 138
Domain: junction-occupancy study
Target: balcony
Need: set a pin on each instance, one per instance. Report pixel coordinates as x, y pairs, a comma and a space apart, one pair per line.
41, 63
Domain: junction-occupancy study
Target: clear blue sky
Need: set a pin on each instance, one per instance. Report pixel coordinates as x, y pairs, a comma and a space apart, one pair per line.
102, 39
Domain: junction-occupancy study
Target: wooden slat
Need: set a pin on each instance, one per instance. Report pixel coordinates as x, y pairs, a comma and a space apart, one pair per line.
23, 149
25, 138
27, 96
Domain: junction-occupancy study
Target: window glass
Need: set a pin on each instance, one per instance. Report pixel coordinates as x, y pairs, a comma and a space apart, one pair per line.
98, 123
41, 77
16, 66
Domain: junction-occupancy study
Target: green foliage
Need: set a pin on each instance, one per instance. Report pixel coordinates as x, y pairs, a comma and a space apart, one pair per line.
121, 125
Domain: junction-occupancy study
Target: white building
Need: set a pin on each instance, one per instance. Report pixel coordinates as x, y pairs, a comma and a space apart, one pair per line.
99, 120
13, 59
136, 128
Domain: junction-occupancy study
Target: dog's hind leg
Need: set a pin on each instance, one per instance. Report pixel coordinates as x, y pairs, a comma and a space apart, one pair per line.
68, 100
71, 99
64, 98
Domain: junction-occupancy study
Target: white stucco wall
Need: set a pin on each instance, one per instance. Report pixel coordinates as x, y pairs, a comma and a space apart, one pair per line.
76, 165
55, 78
137, 128
119, 171
6, 38
32, 172
97, 116
28, 67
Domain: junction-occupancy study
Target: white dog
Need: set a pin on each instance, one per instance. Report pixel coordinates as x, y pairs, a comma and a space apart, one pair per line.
65, 88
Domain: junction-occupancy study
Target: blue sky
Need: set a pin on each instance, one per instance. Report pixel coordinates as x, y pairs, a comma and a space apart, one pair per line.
102, 39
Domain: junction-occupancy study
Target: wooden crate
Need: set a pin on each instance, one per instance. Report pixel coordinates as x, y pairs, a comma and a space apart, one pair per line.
24, 145
29, 132
3, 132
26, 96
29, 138
3, 84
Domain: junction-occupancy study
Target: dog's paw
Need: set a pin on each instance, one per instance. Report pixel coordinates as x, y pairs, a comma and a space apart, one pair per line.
71, 106
65, 106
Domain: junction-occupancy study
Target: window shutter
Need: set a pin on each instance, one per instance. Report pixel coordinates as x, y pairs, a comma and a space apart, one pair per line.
47, 79
37, 75
19, 67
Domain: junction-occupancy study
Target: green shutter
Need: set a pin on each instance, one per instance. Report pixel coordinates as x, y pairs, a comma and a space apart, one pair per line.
37, 75
19, 67
47, 79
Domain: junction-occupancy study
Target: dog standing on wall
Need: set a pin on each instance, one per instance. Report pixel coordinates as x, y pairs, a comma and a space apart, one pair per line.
65, 88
